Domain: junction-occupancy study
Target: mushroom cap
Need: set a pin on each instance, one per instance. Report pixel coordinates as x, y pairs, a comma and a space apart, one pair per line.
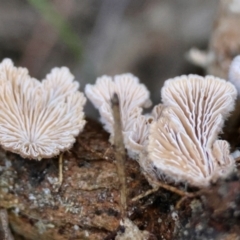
234, 73
39, 120
182, 142
132, 97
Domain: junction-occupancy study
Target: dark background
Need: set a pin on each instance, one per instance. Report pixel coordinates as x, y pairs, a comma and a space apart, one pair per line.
149, 38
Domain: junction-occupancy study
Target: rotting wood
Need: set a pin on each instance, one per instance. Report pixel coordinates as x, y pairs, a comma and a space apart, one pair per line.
87, 206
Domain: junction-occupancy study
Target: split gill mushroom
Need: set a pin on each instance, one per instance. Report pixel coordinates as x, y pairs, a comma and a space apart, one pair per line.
39, 119
183, 142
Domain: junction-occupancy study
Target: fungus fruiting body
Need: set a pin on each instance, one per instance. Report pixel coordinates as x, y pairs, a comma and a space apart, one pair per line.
39, 119
183, 142
137, 136
132, 95
179, 139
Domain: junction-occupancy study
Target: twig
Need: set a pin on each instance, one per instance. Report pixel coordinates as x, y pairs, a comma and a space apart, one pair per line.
179, 203
184, 195
189, 195
119, 153
4, 225
175, 190
167, 187
145, 194
60, 171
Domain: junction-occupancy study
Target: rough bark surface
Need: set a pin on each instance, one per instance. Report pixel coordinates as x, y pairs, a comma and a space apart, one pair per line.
86, 205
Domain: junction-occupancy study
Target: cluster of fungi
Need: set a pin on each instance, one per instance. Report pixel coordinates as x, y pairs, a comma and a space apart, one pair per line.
178, 140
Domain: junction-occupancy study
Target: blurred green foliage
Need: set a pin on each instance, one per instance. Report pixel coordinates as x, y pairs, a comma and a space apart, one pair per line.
66, 32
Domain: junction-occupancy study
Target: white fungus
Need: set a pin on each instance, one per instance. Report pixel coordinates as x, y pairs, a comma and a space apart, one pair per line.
137, 137
39, 120
132, 95
183, 142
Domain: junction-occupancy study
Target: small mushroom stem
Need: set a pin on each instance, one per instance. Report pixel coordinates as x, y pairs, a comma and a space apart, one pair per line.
119, 153
175, 190
60, 170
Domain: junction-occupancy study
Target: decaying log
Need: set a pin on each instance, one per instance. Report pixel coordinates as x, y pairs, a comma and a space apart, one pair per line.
86, 206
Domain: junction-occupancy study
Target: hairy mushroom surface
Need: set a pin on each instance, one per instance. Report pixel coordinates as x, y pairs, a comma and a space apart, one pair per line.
39, 120
183, 142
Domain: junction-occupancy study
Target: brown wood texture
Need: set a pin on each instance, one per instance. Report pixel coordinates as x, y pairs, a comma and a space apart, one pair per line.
86, 205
